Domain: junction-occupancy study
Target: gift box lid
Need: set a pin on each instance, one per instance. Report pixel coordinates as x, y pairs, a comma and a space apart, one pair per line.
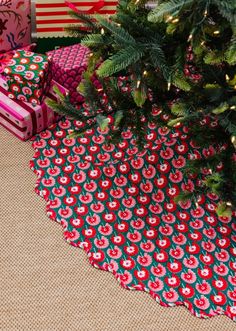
26, 67
70, 57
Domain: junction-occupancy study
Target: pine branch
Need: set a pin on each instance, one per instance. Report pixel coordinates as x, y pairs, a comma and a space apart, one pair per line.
120, 61
171, 7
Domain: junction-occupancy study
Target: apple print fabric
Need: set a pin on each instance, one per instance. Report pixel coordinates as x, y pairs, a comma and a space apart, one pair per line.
28, 76
117, 204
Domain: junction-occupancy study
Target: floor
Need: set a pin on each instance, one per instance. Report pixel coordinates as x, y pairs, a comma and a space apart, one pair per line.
47, 285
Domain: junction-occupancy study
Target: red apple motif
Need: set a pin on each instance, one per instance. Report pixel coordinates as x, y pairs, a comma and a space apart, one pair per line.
77, 222
120, 181
147, 246
194, 248
166, 230
98, 256
49, 152
170, 206
118, 240
179, 162
124, 168
161, 182
223, 270
131, 250
114, 253
152, 158
65, 212
159, 196
172, 281
54, 142
145, 260
101, 243
196, 235
121, 226
219, 299
163, 243
105, 184
79, 177
177, 253
172, 191
70, 201
89, 232
59, 191
187, 291
149, 172
94, 173
105, 229
137, 163
220, 284
58, 161
179, 239
205, 272
126, 278
181, 148
117, 193
82, 210
156, 285
162, 256
153, 220
138, 224
127, 264
223, 242
171, 295
143, 199
181, 227
113, 205
101, 196
135, 177
189, 277
97, 207
132, 190
93, 220
141, 274
135, 236
141, 211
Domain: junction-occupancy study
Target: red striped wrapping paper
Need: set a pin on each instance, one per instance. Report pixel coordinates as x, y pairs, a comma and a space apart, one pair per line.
23, 119
53, 16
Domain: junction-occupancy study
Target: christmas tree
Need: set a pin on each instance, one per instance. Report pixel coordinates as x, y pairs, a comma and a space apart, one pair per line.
177, 57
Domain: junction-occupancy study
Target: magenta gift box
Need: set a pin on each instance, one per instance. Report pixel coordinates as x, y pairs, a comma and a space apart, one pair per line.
68, 65
25, 119
15, 24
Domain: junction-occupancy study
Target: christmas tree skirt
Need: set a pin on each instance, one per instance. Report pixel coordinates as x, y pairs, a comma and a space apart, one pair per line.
117, 204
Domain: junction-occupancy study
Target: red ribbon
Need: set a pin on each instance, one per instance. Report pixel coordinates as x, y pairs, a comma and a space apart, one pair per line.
95, 8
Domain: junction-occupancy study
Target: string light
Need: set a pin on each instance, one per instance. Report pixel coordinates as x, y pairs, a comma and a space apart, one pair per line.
136, 2
90, 54
205, 13
227, 78
232, 107
229, 204
210, 171
102, 31
168, 86
176, 20
233, 139
138, 83
190, 37
169, 18
203, 43
196, 204
145, 73
216, 32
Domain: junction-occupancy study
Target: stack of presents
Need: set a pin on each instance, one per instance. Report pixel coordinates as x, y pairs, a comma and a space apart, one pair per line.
27, 78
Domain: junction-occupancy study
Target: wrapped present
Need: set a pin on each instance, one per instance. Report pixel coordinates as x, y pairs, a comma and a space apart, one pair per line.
28, 76
25, 119
49, 19
15, 27
68, 65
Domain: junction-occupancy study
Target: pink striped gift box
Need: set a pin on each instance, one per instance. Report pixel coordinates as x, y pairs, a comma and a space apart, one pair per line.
24, 119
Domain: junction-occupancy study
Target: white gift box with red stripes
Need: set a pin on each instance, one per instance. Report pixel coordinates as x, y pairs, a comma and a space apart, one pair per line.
49, 18
23, 119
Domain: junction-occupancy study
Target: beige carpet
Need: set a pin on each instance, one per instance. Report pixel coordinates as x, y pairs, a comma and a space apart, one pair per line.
47, 285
